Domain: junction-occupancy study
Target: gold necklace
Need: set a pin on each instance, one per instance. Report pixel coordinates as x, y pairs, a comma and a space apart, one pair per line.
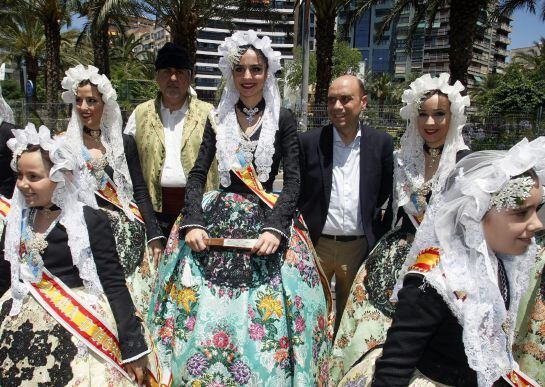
94, 134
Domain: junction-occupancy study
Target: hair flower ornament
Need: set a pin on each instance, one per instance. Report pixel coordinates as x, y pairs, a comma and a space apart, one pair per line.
230, 51
76, 75
418, 89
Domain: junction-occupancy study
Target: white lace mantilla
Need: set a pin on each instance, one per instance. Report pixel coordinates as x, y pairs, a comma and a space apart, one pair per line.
409, 159
65, 173
111, 126
228, 137
6, 114
466, 275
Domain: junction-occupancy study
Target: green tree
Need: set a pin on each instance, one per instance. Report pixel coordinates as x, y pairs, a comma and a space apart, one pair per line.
22, 39
52, 14
132, 73
326, 12
507, 7
184, 18
518, 91
100, 14
346, 60
382, 88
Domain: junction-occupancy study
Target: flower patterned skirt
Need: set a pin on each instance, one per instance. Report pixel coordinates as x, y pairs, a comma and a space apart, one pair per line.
36, 350
265, 323
529, 348
138, 267
368, 312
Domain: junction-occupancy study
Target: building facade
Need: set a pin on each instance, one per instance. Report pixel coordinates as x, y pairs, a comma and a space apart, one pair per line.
207, 73
430, 48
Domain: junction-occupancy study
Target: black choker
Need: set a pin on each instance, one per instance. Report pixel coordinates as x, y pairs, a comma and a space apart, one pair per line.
434, 153
54, 207
250, 113
93, 133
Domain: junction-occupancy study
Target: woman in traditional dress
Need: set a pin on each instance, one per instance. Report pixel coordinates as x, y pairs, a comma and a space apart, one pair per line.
77, 327
243, 317
111, 160
430, 147
529, 345
460, 288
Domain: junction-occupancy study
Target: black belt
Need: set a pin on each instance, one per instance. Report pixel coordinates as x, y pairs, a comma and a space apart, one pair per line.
343, 238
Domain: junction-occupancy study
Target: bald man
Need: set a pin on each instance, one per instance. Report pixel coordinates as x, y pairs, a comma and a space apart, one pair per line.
346, 177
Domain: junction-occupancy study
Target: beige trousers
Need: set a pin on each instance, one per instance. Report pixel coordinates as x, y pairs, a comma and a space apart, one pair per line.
342, 259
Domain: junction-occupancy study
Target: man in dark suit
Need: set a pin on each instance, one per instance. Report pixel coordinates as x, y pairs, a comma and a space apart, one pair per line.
346, 176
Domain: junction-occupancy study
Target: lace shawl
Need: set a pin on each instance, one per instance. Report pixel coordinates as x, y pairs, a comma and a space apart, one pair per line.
466, 275
6, 114
111, 125
228, 137
409, 159
66, 195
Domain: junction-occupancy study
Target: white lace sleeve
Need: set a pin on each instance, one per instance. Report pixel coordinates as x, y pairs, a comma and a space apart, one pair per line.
130, 128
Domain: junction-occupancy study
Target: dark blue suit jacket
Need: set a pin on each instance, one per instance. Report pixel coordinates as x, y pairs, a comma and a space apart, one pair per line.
376, 175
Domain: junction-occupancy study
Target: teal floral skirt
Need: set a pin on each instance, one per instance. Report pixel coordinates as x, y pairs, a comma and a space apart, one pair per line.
226, 317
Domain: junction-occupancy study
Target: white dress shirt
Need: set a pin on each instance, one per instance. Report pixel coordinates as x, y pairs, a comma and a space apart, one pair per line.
344, 213
173, 128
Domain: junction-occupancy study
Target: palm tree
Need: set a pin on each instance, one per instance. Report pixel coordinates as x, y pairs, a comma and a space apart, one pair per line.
21, 38
382, 88
464, 15
326, 16
507, 7
100, 14
52, 14
184, 18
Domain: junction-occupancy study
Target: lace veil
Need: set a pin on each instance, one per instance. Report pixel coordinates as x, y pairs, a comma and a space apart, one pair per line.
6, 114
466, 275
228, 137
409, 159
67, 195
111, 126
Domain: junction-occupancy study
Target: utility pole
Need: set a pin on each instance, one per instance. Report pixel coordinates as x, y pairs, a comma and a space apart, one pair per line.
305, 45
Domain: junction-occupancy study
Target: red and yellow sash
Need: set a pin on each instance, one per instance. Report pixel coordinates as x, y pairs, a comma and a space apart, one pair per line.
5, 206
520, 379
109, 193
81, 321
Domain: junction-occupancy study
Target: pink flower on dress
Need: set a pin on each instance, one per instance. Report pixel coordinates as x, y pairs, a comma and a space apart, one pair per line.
221, 339
251, 312
298, 302
257, 332
190, 323
321, 322
284, 342
300, 324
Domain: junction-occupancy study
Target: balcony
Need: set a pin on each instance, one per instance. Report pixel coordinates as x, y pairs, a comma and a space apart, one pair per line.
505, 27
504, 39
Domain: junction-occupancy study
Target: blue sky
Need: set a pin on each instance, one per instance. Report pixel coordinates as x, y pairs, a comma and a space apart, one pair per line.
527, 28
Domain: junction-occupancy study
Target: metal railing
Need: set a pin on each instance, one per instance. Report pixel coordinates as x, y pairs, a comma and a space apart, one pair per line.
496, 131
